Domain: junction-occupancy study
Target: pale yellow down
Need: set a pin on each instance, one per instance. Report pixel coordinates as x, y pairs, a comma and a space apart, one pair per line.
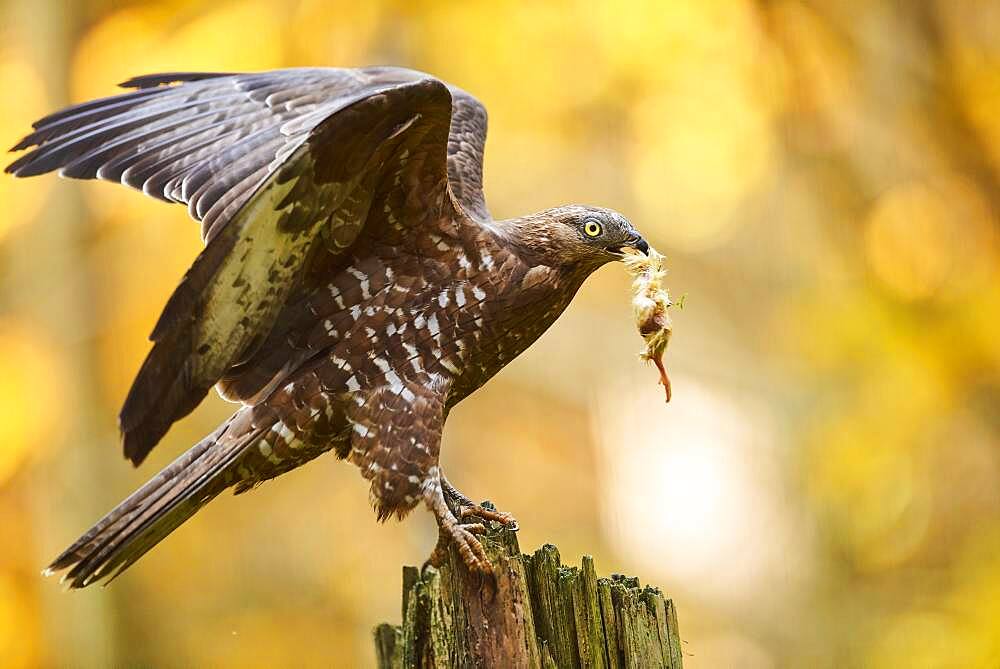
650, 302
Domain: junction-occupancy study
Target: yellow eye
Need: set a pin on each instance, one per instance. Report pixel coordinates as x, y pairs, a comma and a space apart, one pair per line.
592, 228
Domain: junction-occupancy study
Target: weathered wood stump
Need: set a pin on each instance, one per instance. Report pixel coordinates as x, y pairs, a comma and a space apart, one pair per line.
540, 614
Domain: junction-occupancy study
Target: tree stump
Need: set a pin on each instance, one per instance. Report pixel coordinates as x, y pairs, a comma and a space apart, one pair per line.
540, 614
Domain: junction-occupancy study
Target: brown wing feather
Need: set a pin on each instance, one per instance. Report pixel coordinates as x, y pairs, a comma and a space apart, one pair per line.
290, 344
466, 142
214, 142
228, 301
195, 142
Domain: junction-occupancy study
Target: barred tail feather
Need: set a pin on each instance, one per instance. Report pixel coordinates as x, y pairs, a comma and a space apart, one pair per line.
159, 507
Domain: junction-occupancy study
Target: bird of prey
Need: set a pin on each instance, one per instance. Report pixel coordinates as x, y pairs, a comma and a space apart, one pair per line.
352, 290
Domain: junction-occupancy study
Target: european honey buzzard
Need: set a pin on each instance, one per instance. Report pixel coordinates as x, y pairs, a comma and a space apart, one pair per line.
352, 290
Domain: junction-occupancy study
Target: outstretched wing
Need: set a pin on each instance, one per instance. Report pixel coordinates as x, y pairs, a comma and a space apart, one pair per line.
466, 142
270, 195
211, 141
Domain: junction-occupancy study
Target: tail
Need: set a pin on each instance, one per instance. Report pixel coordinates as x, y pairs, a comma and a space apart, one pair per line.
159, 507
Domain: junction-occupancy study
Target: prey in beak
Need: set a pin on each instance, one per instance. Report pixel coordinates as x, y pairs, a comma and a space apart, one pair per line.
650, 302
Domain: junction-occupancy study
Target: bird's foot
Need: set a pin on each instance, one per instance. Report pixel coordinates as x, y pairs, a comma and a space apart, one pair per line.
451, 530
464, 508
463, 535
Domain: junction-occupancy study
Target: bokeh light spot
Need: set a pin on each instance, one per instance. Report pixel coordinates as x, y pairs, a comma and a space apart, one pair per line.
703, 137
925, 238
29, 394
22, 198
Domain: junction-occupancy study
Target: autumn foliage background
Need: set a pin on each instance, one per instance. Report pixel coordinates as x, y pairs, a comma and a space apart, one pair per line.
823, 491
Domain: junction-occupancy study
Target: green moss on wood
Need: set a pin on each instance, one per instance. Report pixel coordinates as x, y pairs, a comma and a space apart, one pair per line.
540, 614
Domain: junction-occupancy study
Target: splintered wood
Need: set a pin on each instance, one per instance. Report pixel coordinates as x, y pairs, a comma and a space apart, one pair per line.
536, 613
650, 302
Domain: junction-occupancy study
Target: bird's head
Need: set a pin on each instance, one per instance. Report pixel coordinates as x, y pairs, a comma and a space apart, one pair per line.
579, 235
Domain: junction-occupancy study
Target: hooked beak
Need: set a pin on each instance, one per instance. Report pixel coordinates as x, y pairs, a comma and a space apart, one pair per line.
639, 244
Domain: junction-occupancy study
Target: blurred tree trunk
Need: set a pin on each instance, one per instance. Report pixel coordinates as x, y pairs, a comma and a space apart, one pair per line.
541, 614
49, 285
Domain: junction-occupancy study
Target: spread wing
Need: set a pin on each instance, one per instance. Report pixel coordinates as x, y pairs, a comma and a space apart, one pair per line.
277, 168
210, 142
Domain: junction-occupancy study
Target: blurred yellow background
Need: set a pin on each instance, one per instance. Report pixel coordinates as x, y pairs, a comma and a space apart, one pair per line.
824, 490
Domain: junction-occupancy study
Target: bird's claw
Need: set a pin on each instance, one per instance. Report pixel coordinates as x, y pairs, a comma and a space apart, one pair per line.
470, 549
488, 515
460, 520
454, 529
463, 507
